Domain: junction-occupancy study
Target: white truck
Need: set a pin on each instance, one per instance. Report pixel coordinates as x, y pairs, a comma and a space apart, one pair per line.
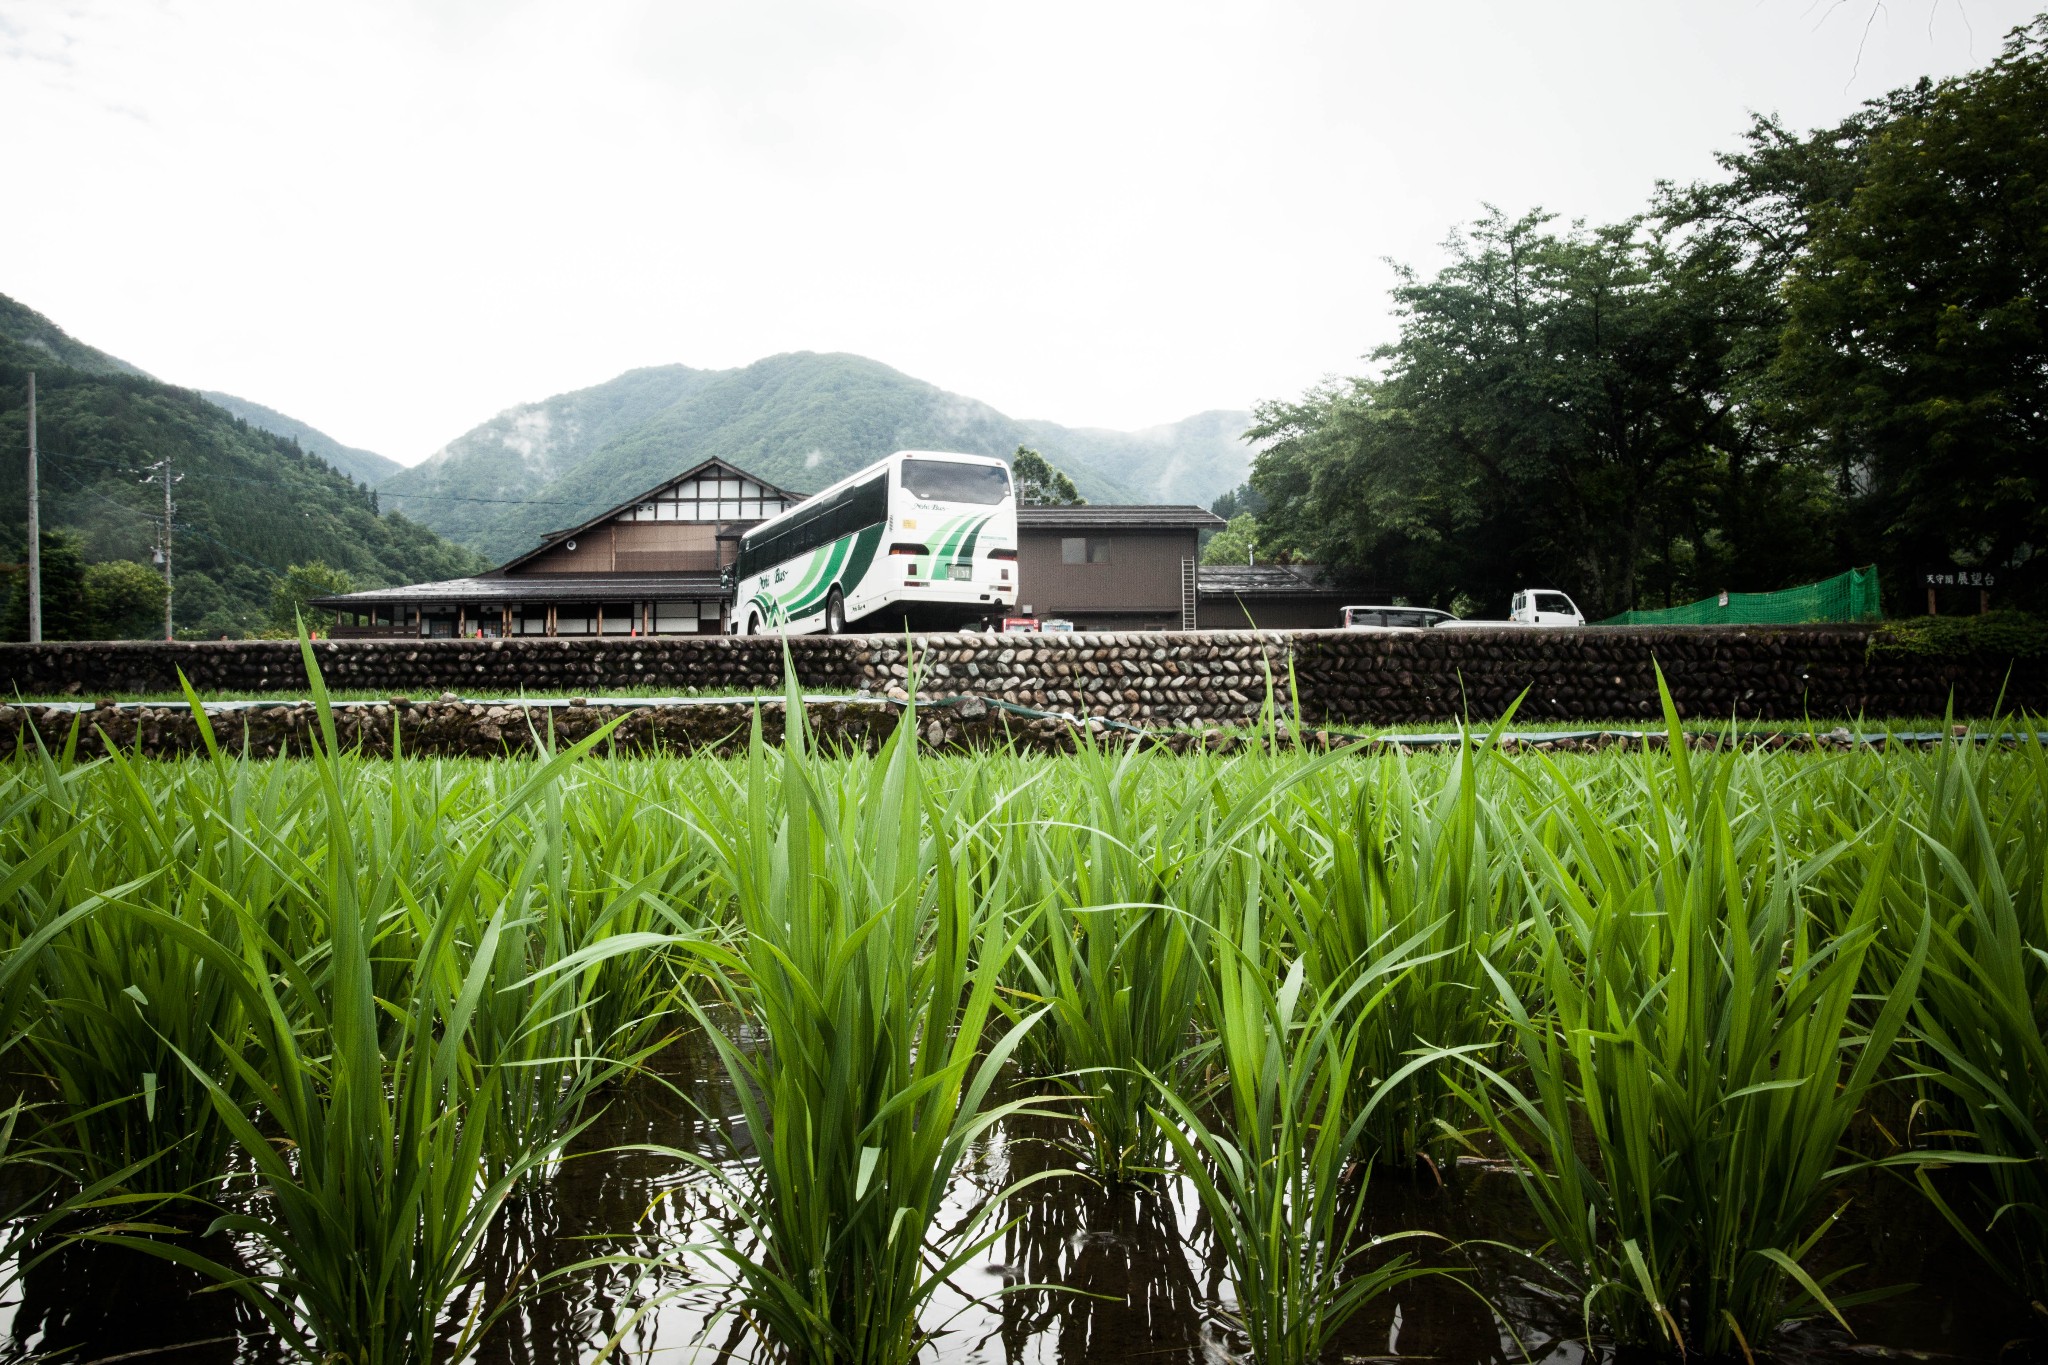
1531, 607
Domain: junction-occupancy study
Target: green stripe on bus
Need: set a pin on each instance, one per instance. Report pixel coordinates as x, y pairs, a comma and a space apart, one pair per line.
810, 595
863, 557
966, 550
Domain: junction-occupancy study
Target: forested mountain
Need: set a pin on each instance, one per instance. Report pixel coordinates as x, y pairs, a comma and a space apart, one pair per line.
1834, 354
42, 342
1194, 460
250, 504
490, 485
364, 466
800, 420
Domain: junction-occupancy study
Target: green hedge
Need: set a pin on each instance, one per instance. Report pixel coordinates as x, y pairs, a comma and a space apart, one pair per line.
1993, 635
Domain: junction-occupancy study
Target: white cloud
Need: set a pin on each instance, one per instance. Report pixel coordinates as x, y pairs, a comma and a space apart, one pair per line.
392, 219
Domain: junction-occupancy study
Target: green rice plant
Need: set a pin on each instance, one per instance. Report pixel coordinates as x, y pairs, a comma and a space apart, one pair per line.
1981, 1016
120, 987
40, 1179
377, 1169
871, 972
1692, 1062
1116, 960
1270, 1171
1388, 867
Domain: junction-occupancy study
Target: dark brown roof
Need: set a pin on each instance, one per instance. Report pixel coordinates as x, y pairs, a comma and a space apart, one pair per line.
1094, 516
610, 587
553, 537
1269, 580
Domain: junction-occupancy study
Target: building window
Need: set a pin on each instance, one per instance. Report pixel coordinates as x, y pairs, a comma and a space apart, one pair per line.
1084, 550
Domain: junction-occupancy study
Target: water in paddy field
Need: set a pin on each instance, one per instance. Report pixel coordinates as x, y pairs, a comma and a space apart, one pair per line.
1142, 1282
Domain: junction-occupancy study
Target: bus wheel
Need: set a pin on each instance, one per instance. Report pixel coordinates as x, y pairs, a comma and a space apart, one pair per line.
835, 613
753, 624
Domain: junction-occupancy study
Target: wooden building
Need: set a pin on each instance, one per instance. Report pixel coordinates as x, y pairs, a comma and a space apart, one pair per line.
1110, 567
649, 566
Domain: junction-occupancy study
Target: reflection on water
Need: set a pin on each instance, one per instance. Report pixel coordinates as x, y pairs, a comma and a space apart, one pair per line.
1136, 1272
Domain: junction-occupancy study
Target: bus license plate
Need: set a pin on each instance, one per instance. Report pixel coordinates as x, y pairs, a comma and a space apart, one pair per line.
961, 571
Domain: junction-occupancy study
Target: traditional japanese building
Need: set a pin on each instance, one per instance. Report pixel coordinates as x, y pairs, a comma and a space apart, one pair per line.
649, 566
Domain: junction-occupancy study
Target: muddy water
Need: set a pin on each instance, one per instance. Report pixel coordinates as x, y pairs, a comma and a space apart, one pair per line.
1140, 1279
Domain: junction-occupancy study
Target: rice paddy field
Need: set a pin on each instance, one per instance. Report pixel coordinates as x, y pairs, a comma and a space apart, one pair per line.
1464, 1054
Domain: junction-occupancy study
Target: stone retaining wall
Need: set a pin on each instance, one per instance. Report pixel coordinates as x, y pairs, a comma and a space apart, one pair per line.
1772, 673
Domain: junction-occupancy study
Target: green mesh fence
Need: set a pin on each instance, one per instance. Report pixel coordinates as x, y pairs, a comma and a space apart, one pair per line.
1851, 596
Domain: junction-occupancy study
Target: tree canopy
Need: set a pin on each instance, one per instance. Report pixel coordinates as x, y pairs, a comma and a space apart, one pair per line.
291, 600
1833, 353
1038, 484
1236, 543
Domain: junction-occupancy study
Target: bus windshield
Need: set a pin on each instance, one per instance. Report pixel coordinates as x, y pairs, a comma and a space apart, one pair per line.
953, 481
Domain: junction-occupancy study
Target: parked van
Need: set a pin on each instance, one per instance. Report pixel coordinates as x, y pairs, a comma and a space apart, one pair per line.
1378, 618
1531, 607
1545, 607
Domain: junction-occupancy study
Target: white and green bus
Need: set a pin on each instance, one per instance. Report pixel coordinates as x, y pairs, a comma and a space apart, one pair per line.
923, 540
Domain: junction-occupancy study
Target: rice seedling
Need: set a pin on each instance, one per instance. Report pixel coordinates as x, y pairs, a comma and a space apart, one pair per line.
1385, 867
1271, 1172
1982, 1012
871, 971
150, 976
1687, 1024
382, 1180
1117, 954
41, 1180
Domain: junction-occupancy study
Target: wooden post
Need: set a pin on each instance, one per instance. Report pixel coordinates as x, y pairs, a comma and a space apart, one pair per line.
1931, 610
1983, 600
35, 527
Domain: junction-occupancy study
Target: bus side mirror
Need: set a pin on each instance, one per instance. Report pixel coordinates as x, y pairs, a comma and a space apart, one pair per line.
727, 580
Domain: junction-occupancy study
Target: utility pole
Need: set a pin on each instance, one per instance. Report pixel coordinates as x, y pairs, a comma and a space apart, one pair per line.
35, 527
161, 471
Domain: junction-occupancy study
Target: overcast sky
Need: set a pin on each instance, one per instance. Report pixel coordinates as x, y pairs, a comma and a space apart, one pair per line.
394, 219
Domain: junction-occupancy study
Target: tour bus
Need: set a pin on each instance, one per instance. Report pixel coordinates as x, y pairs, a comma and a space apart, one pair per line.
922, 540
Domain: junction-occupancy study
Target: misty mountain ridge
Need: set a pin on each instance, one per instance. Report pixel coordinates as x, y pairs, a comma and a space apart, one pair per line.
364, 466
800, 419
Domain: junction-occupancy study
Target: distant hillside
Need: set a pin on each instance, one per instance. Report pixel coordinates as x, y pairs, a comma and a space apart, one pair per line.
490, 477
42, 342
799, 420
364, 466
1195, 460
251, 503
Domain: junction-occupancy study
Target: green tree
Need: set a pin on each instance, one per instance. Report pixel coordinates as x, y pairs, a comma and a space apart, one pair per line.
65, 613
291, 599
1917, 342
1236, 543
1559, 408
1039, 484
1243, 498
124, 600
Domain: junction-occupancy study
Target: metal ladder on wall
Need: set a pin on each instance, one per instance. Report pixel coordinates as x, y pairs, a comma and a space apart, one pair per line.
1189, 597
